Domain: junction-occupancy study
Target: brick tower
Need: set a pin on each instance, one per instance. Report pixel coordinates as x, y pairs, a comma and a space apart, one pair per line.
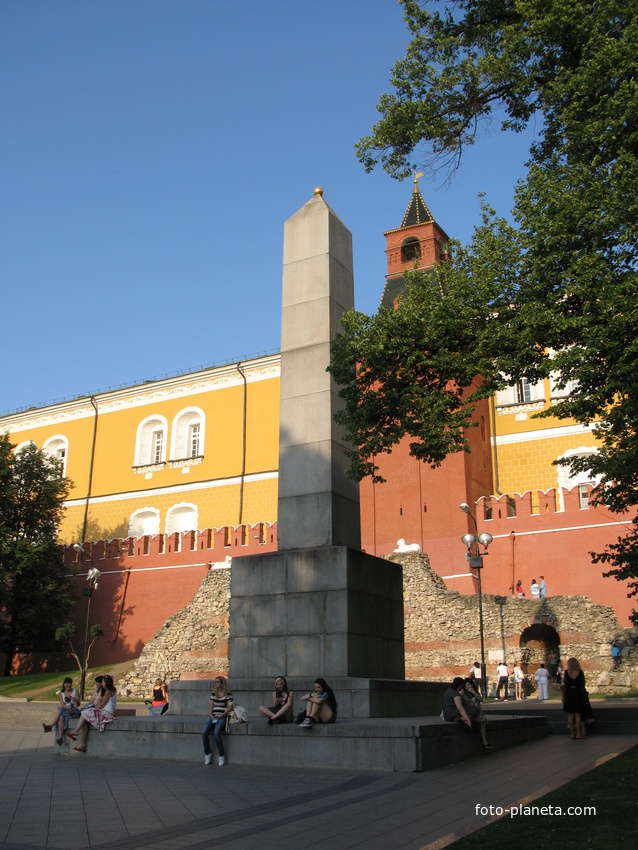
418, 503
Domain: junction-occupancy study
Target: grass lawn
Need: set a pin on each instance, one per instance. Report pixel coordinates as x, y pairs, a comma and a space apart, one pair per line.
45, 686
610, 789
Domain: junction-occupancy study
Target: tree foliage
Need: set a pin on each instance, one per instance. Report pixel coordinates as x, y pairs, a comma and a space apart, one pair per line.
398, 372
557, 292
36, 586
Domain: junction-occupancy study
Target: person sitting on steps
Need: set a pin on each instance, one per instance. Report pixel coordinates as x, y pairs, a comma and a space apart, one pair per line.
321, 706
68, 708
282, 701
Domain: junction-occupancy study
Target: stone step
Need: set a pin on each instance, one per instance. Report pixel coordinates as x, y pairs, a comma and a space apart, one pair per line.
356, 697
608, 720
391, 744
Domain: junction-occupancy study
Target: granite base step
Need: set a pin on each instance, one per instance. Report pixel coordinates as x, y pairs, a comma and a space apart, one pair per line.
388, 744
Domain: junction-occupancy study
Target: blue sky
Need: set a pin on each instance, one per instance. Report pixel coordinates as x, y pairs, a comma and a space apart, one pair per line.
150, 152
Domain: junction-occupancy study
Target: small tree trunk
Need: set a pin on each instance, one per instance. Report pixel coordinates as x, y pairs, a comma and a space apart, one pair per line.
9, 662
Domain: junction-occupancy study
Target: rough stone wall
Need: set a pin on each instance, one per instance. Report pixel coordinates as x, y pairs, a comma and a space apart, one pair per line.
192, 644
442, 626
441, 633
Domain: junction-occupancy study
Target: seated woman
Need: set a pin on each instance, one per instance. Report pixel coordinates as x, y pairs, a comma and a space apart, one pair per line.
68, 708
282, 700
98, 715
454, 707
472, 701
321, 706
97, 688
159, 703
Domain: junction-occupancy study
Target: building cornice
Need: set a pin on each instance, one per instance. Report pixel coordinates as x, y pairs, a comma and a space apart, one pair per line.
192, 383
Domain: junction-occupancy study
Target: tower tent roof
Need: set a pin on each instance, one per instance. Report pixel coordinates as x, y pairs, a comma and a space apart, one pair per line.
417, 211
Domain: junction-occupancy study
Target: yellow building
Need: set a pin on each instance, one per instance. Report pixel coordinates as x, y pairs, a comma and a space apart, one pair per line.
195, 451
524, 448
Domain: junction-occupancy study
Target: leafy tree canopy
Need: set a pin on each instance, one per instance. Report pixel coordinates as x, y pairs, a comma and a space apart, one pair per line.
36, 589
557, 292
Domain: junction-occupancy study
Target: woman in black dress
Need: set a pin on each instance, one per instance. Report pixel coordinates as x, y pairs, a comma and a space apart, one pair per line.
575, 698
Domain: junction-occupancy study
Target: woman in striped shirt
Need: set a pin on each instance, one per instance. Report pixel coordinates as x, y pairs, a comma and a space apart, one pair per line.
221, 704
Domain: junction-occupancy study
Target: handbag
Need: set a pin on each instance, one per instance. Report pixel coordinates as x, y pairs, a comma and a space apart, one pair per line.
238, 715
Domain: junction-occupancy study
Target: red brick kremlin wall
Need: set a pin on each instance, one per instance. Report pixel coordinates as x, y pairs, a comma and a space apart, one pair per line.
148, 579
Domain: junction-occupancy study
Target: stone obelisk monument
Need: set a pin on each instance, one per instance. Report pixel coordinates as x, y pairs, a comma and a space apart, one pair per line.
319, 606
318, 505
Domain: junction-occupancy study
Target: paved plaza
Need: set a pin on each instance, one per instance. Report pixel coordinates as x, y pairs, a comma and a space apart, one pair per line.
83, 802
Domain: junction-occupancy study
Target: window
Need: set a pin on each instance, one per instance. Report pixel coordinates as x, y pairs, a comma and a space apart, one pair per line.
143, 522
57, 447
187, 436
521, 392
150, 444
568, 479
193, 439
157, 440
557, 392
21, 446
569, 388
410, 250
182, 517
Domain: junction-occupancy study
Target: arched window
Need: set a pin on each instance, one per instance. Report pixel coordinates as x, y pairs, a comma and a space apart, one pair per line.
410, 250
182, 517
187, 437
569, 479
58, 447
144, 521
150, 444
21, 446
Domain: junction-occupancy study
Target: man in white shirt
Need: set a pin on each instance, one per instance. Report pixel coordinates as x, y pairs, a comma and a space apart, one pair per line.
543, 588
542, 678
503, 674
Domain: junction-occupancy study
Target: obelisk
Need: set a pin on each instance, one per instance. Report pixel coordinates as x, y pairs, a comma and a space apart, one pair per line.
317, 606
318, 505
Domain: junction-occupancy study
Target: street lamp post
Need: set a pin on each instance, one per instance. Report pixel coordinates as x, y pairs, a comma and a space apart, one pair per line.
475, 559
92, 577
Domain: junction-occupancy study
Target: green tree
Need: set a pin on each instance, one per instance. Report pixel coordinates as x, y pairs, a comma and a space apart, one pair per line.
37, 594
557, 292
66, 633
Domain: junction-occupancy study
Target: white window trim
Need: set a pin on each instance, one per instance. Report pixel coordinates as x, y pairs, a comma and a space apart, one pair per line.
507, 396
21, 446
161, 422
567, 481
180, 508
143, 513
51, 447
179, 431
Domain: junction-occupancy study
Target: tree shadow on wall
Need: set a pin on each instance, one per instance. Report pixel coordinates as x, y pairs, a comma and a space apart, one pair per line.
95, 531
